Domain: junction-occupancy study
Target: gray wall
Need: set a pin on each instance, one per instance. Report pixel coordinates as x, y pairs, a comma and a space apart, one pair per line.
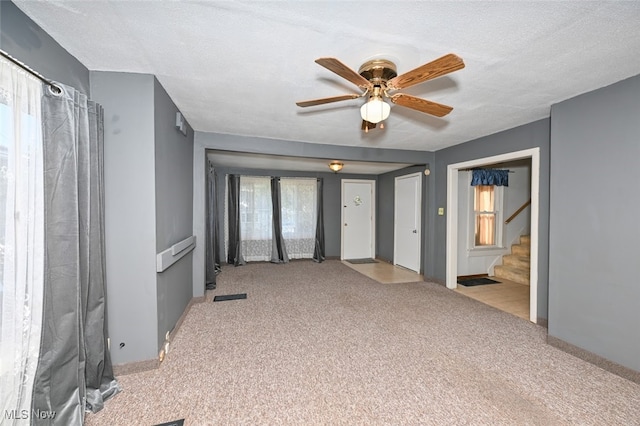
528, 136
174, 208
129, 175
26, 41
332, 200
141, 307
386, 211
593, 246
148, 207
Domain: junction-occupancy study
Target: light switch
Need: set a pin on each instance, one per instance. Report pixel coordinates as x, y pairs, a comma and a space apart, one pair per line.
440, 211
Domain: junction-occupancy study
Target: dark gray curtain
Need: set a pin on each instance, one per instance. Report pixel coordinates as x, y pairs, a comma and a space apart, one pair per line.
212, 251
489, 177
74, 366
234, 252
318, 252
278, 249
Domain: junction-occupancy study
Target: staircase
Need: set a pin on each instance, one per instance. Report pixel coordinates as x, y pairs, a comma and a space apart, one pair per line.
515, 266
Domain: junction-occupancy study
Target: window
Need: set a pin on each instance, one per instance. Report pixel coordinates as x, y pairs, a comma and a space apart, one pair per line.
299, 214
256, 223
298, 202
486, 216
21, 235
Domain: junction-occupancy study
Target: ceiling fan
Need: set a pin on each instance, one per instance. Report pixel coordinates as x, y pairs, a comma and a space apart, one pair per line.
378, 77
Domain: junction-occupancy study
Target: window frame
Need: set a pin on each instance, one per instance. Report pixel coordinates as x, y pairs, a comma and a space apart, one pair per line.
486, 250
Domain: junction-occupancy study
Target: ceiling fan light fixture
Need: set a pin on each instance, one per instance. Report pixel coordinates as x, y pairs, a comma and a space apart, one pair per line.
336, 166
378, 77
375, 110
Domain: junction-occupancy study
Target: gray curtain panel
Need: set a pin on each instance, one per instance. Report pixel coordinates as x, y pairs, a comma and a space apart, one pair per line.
234, 252
213, 236
278, 249
318, 252
74, 366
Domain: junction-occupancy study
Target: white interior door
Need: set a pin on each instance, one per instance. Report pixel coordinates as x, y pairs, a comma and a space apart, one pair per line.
408, 221
358, 219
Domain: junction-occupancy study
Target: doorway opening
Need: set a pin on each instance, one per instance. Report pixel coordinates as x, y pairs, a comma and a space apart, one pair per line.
453, 217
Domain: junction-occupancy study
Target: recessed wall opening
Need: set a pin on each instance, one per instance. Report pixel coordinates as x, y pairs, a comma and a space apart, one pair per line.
458, 213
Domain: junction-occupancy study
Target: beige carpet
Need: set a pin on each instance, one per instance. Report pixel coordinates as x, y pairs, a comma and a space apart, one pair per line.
323, 344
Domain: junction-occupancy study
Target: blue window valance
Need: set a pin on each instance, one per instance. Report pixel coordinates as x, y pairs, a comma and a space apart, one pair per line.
490, 177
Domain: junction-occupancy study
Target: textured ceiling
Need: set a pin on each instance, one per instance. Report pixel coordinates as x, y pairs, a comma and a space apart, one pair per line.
239, 67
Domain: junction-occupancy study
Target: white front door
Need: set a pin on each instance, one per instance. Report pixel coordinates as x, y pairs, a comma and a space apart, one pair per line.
408, 221
358, 219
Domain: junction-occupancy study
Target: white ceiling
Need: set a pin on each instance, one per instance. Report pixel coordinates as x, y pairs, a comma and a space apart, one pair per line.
239, 67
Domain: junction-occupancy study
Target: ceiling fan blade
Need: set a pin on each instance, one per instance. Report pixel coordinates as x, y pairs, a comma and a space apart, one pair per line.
439, 67
422, 105
334, 65
314, 102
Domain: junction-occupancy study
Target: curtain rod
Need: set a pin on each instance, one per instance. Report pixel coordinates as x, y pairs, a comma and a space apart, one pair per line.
481, 168
54, 88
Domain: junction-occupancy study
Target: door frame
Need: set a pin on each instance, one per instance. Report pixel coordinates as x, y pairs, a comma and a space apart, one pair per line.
372, 184
395, 218
452, 218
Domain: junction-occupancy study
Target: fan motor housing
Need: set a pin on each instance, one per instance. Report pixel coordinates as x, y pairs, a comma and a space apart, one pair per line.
378, 71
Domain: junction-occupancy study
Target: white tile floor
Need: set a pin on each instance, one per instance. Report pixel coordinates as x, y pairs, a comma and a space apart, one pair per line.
385, 272
507, 296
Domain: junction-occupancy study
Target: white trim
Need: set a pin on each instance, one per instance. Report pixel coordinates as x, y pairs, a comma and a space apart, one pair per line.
452, 218
182, 245
487, 251
174, 253
372, 183
395, 221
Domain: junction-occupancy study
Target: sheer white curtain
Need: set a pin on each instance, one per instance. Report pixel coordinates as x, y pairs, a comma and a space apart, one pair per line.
21, 236
299, 216
298, 212
484, 207
256, 223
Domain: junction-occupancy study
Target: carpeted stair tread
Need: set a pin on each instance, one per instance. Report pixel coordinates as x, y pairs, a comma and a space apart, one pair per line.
512, 273
516, 261
521, 249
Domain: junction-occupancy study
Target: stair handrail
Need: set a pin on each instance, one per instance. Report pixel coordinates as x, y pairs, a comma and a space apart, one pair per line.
517, 212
